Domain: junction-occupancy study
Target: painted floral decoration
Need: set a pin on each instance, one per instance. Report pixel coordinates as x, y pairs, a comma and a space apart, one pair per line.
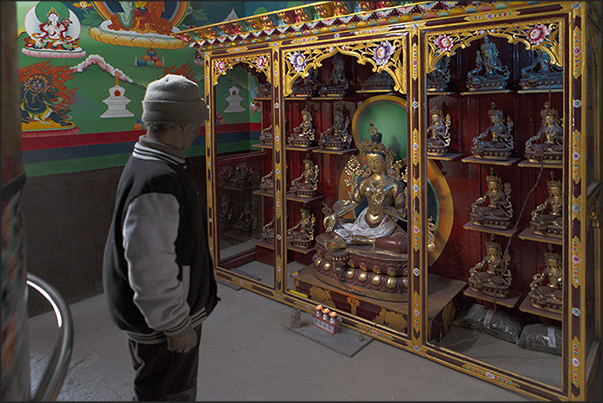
444, 42
220, 65
538, 33
260, 62
383, 52
298, 61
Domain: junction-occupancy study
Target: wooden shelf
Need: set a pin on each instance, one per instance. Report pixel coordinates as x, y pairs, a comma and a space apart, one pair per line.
262, 99
527, 307
264, 244
337, 152
296, 148
476, 160
304, 199
486, 92
439, 92
510, 302
305, 251
543, 91
262, 145
445, 157
529, 235
263, 193
503, 232
530, 164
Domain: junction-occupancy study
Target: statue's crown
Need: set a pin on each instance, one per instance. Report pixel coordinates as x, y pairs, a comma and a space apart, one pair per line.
551, 254
492, 243
494, 111
487, 45
553, 182
548, 111
493, 177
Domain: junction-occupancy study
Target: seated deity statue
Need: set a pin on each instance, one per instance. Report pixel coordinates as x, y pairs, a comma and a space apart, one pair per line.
267, 182
368, 255
241, 178
338, 84
246, 222
381, 81
541, 73
266, 135
547, 144
438, 136
494, 76
499, 210
500, 144
302, 233
438, 79
495, 280
267, 233
338, 136
306, 184
550, 224
307, 86
303, 135
546, 291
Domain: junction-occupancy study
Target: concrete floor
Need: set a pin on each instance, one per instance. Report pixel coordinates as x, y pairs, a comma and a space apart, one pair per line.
250, 353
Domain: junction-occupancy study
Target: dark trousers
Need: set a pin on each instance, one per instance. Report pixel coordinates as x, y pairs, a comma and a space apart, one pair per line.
162, 374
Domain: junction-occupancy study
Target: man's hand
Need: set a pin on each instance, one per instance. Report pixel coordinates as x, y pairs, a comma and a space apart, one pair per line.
183, 342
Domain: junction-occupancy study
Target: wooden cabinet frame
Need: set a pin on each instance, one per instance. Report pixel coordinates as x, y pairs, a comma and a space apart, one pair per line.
320, 30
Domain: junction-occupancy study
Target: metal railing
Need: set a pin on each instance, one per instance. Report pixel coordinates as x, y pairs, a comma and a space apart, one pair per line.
55, 373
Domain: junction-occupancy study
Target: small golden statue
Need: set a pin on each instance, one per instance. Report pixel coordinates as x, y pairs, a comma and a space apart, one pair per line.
551, 148
303, 135
306, 184
499, 211
438, 79
495, 75
496, 279
306, 87
338, 136
546, 291
241, 178
266, 135
501, 143
438, 136
302, 234
267, 233
368, 255
267, 182
550, 224
541, 73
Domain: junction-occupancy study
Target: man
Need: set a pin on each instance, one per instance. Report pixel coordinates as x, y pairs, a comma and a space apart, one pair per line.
158, 274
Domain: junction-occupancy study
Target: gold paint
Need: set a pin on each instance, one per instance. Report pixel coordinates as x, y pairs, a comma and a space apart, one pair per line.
321, 296
577, 57
514, 33
391, 282
362, 277
363, 50
231, 61
392, 319
350, 274
354, 303
376, 279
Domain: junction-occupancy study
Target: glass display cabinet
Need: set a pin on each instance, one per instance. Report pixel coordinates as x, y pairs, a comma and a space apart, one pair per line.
430, 171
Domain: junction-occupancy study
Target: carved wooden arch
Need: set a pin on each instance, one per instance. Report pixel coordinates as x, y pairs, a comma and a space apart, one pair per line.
364, 51
543, 35
254, 63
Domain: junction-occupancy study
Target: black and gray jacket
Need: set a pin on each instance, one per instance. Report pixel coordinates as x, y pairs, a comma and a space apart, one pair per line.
158, 273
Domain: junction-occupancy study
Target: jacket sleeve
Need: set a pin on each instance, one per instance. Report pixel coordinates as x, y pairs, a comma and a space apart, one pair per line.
149, 232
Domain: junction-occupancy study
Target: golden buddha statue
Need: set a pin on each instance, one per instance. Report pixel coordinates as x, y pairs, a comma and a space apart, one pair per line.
438, 136
501, 142
266, 135
499, 210
302, 234
267, 182
541, 73
550, 149
546, 291
338, 136
306, 184
368, 255
267, 233
496, 279
303, 135
550, 224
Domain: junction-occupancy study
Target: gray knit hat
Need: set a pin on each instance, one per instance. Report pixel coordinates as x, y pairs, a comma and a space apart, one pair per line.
173, 99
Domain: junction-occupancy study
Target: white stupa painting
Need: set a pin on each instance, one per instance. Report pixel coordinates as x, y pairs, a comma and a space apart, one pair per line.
234, 100
117, 102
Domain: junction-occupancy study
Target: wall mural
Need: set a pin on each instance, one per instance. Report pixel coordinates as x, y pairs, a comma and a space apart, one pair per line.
84, 67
